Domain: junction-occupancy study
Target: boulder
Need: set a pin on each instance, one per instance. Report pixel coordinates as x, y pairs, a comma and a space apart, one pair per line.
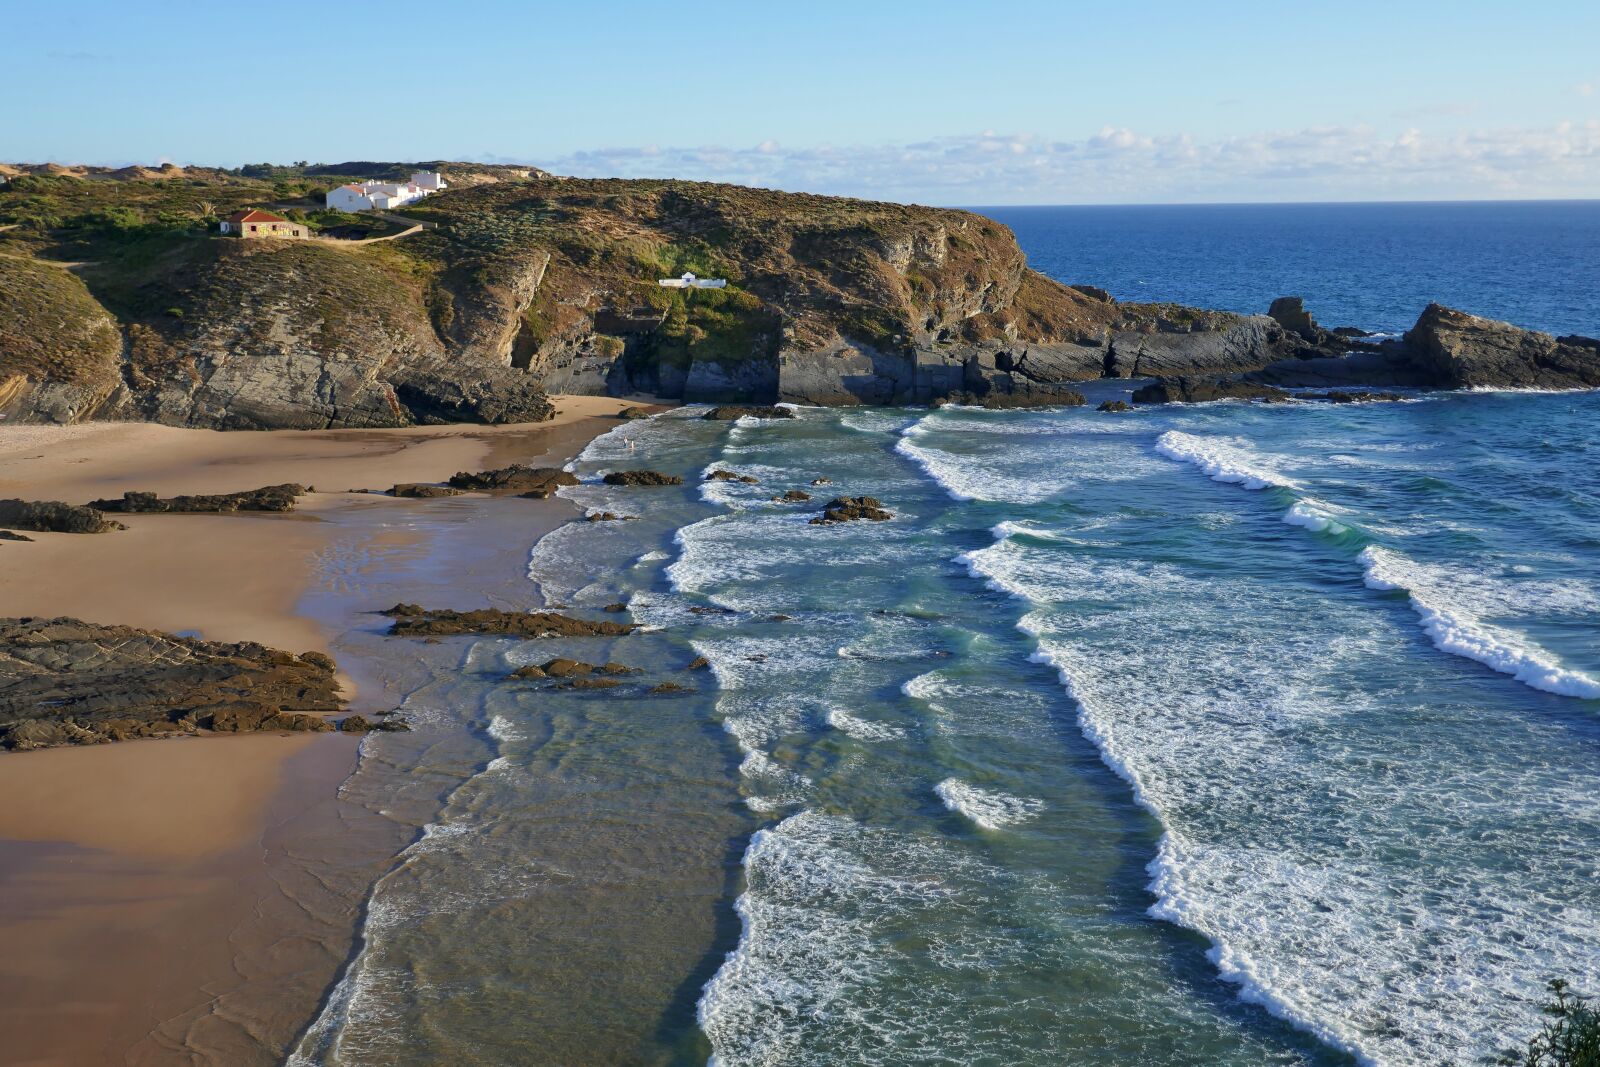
531, 671
1113, 405
12, 535
792, 496
633, 413
606, 516
642, 478
1290, 313
851, 509
699, 663
53, 516
561, 667
668, 689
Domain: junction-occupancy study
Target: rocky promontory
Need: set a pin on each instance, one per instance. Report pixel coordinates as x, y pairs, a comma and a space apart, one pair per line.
119, 302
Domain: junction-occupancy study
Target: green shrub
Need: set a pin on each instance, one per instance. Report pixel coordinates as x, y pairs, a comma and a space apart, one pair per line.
1570, 1039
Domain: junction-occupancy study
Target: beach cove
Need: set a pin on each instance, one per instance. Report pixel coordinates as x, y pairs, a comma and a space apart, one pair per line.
195, 897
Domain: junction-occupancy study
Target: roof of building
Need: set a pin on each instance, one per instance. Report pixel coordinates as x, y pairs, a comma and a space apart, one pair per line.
255, 215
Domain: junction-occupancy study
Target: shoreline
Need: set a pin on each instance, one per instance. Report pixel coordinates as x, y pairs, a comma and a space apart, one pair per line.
209, 843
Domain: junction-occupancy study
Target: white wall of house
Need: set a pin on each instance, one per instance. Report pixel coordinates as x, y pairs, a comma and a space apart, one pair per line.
385, 196
345, 198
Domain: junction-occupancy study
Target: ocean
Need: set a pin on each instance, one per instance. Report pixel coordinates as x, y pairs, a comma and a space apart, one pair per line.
1211, 735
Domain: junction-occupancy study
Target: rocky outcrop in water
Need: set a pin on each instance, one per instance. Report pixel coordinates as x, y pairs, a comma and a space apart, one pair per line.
1113, 406
637, 478
268, 498
412, 620
1038, 397
64, 681
1464, 351
1185, 390
534, 482
730, 476
53, 516
851, 509
730, 412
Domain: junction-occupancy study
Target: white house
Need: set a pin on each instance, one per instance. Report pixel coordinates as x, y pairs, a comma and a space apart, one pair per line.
382, 196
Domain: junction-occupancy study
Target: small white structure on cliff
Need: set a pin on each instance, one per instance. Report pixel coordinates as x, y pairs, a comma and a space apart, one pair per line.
689, 281
381, 196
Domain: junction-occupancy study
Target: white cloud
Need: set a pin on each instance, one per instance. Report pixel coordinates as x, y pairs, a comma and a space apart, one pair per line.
1122, 165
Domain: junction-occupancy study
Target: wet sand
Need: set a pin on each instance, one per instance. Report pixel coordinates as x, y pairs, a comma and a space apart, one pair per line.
188, 901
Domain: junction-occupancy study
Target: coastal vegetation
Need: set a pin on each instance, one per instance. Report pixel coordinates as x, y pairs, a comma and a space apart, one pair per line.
1570, 1037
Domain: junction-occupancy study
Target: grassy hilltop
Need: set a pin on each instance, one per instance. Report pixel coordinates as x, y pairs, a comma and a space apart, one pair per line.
523, 280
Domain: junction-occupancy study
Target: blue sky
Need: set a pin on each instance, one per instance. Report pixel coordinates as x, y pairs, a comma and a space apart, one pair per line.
956, 103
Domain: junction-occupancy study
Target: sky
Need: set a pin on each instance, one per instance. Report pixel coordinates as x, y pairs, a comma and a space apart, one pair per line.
978, 103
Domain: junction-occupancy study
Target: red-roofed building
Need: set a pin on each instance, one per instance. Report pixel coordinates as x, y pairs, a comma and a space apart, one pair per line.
254, 222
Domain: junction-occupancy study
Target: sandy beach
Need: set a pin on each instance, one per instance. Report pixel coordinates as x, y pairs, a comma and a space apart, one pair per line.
139, 881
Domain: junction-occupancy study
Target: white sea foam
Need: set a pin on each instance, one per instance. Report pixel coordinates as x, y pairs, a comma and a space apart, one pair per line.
1453, 629
989, 808
1221, 460
862, 729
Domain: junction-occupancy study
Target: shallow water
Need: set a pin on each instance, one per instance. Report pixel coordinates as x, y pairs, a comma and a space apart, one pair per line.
1215, 735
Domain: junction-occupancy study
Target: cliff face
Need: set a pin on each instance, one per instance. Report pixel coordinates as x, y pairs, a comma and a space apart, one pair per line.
525, 283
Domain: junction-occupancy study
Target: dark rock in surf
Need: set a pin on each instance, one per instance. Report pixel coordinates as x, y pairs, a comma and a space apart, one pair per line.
851, 509
1035, 397
699, 663
792, 496
1113, 405
1185, 390
411, 620
633, 413
533, 482
729, 412
635, 478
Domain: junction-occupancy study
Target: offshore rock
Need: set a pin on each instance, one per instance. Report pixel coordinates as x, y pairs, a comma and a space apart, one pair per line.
1465, 351
533, 482
268, 498
851, 509
53, 516
64, 681
411, 620
792, 496
642, 478
729, 412
1037, 397
1185, 390
1113, 405
730, 476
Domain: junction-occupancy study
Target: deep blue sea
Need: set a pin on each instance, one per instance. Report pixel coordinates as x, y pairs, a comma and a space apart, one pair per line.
1373, 266
1198, 735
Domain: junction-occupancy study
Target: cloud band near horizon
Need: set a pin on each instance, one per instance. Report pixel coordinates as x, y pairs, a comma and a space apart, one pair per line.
1122, 166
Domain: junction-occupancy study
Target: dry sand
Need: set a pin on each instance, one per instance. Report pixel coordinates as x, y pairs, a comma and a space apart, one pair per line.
128, 870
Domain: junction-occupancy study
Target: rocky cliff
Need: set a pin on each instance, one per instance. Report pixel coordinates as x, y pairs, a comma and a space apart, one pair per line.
525, 283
